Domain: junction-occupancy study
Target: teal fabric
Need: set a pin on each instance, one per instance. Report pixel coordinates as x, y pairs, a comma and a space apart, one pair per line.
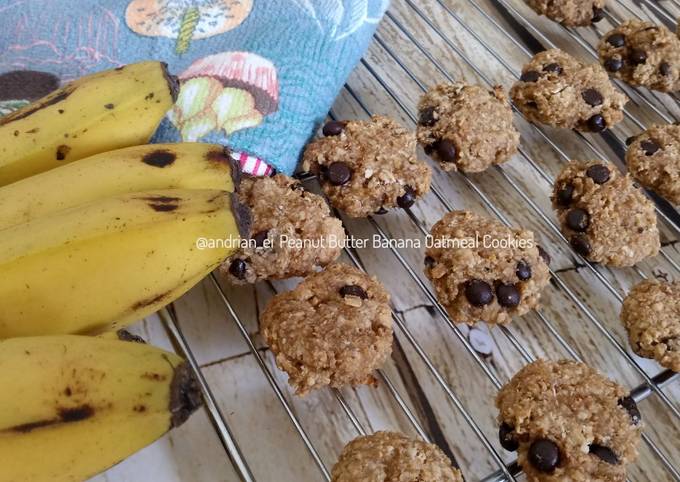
258, 75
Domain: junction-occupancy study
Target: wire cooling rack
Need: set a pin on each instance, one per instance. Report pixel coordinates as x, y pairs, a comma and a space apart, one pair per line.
421, 43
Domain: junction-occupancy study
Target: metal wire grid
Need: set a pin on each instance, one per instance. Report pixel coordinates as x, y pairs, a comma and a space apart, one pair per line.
652, 385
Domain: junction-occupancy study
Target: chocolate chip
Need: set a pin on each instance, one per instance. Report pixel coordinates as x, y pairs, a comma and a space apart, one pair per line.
544, 255
523, 270
339, 173
597, 123
506, 435
429, 261
580, 244
554, 68
544, 454
353, 290
638, 57
613, 64
333, 128
508, 295
604, 453
238, 268
447, 151
297, 186
616, 40
599, 173
631, 407
426, 117
598, 14
408, 198
260, 238
565, 195
649, 147
665, 68
578, 219
592, 97
530, 76
382, 210
630, 140
478, 292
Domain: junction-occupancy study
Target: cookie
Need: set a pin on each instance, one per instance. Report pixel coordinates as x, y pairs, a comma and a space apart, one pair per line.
292, 231
393, 457
653, 159
568, 422
482, 270
571, 13
466, 127
334, 328
367, 166
605, 217
651, 314
558, 90
641, 53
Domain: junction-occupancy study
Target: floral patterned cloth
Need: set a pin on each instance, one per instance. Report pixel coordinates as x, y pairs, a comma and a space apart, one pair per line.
257, 75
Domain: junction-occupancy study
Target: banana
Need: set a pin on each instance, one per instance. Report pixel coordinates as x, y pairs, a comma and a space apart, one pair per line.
132, 169
73, 406
105, 264
96, 113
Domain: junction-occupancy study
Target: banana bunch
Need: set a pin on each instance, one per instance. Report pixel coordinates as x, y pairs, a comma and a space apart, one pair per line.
72, 406
97, 113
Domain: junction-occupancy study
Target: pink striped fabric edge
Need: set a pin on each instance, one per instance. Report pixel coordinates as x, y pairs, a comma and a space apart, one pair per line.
252, 164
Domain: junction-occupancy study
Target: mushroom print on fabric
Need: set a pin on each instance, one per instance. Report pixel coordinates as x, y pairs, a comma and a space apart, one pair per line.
185, 20
228, 91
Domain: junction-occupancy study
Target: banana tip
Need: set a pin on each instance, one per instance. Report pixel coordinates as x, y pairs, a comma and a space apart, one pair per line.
185, 394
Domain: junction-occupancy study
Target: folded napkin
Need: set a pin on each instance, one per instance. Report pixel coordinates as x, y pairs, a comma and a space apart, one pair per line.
257, 75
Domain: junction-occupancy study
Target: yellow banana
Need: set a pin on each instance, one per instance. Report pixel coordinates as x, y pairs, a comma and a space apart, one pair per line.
132, 169
96, 113
73, 406
108, 263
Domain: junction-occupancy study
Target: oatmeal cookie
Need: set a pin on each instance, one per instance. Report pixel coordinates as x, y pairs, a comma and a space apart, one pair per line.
651, 314
605, 217
641, 53
466, 127
393, 457
653, 159
568, 422
367, 166
571, 13
475, 277
281, 209
334, 328
558, 90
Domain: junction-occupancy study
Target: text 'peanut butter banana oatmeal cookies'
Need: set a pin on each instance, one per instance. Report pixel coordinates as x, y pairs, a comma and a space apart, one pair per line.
484, 271
653, 159
466, 127
561, 91
605, 217
641, 53
651, 315
334, 328
568, 422
365, 167
393, 457
283, 212
571, 13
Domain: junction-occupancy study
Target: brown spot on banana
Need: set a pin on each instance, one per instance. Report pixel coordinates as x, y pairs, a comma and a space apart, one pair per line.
185, 395
109, 106
65, 415
149, 301
159, 158
51, 99
223, 156
62, 152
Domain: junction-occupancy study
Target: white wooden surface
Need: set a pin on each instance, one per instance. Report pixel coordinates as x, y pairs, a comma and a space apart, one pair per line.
273, 449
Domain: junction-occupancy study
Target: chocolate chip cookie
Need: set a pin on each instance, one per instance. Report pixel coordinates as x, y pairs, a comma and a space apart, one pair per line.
568, 422
482, 270
641, 53
559, 90
571, 13
367, 166
292, 231
393, 457
653, 159
605, 217
651, 314
334, 328
466, 127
